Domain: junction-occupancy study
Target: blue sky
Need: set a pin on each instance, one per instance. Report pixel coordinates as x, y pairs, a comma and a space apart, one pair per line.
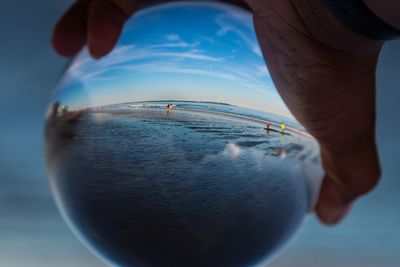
180, 52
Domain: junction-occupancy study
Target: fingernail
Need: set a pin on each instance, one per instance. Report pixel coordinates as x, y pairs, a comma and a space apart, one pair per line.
95, 57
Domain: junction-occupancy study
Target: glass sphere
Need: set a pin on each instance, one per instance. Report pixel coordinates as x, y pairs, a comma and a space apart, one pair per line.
176, 149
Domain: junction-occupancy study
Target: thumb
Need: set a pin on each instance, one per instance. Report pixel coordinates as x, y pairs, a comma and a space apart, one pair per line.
350, 173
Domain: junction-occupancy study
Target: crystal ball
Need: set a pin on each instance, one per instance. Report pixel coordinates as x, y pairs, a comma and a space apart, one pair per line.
176, 148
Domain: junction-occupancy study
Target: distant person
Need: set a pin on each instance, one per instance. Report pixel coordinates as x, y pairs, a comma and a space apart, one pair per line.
283, 127
170, 107
320, 60
267, 126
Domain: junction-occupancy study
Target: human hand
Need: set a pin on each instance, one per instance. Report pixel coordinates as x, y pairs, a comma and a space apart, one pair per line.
323, 71
326, 75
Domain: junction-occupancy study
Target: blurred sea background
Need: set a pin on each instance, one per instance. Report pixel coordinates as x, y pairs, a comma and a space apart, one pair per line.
31, 229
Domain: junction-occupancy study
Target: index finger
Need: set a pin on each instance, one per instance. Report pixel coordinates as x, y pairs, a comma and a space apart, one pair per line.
105, 22
98, 22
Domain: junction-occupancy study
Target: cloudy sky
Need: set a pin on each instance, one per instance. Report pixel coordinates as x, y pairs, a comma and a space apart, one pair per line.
178, 52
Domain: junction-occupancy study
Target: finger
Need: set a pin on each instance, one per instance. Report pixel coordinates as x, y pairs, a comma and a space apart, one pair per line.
69, 35
106, 19
349, 175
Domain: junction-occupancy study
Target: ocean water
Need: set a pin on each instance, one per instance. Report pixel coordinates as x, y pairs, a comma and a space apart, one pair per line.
206, 106
143, 186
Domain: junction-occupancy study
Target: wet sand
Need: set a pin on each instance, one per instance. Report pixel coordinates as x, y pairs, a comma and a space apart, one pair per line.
181, 188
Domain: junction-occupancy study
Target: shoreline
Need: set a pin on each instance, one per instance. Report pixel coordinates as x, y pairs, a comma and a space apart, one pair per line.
275, 126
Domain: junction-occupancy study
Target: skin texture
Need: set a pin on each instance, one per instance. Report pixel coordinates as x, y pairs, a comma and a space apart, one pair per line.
388, 10
324, 72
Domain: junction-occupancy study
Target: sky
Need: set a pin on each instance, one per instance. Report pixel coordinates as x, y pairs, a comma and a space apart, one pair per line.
177, 52
32, 230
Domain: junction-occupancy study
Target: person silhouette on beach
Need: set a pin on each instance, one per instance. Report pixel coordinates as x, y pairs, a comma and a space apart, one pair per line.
169, 108
267, 126
319, 66
283, 127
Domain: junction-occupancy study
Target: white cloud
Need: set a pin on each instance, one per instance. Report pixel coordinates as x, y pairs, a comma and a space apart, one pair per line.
85, 69
224, 20
180, 44
172, 37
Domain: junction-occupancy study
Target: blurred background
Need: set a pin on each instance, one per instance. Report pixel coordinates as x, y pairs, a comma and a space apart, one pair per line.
32, 233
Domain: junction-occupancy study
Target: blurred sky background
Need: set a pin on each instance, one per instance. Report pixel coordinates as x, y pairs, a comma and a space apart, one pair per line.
32, 232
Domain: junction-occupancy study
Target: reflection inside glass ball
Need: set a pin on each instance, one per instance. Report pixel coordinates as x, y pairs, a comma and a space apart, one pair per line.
176, 149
